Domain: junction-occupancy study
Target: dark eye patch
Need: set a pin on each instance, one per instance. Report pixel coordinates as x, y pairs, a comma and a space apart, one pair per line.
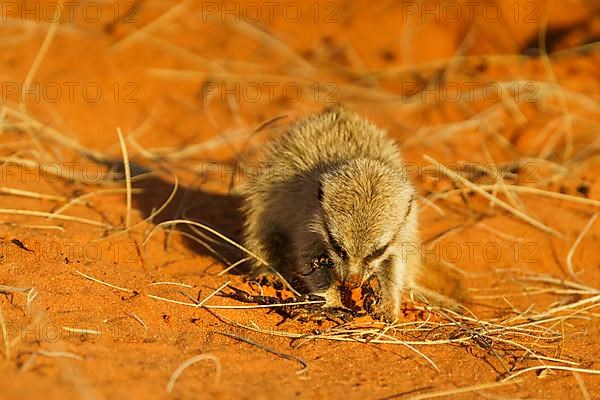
377, 253
335, 245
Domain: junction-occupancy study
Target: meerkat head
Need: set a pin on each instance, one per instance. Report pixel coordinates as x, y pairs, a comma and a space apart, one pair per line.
365, 205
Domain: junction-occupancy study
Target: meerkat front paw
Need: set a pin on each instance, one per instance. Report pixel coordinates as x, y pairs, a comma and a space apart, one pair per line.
384, 311
381, 304
332, 297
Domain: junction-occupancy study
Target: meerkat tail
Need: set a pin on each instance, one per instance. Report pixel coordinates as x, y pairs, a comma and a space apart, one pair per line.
439, 285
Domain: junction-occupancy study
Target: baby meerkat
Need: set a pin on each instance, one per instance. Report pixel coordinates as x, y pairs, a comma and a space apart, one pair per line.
333, 187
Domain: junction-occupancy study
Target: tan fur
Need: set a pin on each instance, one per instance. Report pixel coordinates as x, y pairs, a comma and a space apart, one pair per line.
366, 203
439, 285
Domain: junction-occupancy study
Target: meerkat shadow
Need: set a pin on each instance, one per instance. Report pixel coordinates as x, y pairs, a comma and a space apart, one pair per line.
216, 211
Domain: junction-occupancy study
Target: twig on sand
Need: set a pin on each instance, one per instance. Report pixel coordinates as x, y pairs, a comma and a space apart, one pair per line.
268, 350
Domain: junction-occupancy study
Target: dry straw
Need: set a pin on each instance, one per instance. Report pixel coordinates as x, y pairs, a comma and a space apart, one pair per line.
179, 370
127, 169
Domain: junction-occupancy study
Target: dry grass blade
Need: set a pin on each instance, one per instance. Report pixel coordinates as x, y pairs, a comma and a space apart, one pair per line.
173, 12
149, 218
560, 282
52, 134
216, 255
570, 306
546, 62
183, 303
223, 286
31, 296
55, 171
431, 204
56, 354
521, 189
69, 218
104, 283
587, 227
127, 168
418, 352
458, 178
173, 154
232, 266
584, 391
51, 354
206, 228
81, 199
188, 362
41, 53
552, 367
11, 289
271, 41
30, 226
33, 195
31, 292
185, 285
138, 319
81, 331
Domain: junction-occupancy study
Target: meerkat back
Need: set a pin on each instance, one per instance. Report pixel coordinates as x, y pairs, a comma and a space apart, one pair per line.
283, 185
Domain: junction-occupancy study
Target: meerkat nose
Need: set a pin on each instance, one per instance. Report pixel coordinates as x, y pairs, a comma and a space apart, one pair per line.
353, 281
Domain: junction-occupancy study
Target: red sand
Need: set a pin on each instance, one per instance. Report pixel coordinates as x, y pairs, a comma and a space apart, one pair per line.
98, 75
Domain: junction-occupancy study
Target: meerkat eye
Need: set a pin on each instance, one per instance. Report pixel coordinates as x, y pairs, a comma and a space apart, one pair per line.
377, 253
335, 245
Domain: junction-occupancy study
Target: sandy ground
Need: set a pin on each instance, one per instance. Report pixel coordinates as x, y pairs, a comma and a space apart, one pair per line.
85, 303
